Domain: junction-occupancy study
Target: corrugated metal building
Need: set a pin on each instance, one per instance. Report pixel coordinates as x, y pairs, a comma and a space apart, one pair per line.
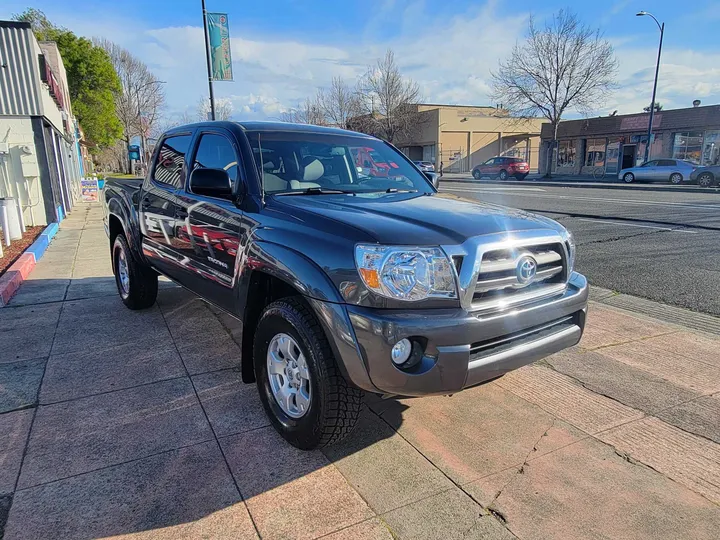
39, 163
618, 142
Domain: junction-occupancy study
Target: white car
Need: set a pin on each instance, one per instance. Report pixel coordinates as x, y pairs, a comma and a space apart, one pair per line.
675, 171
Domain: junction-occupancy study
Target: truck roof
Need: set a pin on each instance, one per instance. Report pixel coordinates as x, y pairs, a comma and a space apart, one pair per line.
272, 126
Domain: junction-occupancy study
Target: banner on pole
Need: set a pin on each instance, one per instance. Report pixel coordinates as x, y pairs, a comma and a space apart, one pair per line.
219, 38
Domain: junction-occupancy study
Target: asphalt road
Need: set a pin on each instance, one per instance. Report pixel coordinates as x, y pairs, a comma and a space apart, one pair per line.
660, 245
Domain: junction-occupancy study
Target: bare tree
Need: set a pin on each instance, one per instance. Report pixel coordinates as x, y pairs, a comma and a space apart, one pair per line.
339, 103
388, 100
223, 109
141, 99
309, 112
564, 64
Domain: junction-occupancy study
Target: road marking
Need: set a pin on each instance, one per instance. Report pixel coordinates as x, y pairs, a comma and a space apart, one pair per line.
479, 189
608, 222
601, 199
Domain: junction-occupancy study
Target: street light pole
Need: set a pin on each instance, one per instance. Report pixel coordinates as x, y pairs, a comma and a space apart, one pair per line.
657, 69
207, 56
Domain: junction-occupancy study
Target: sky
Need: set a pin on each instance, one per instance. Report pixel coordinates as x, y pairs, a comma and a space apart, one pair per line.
283, 50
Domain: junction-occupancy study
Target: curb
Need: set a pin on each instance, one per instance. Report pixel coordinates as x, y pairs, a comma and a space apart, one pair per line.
582, 184
662, 312
19, 270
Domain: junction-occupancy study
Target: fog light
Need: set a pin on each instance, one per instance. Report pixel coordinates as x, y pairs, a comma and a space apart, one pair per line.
401, 351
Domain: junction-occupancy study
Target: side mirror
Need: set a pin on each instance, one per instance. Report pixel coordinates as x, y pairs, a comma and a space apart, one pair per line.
211, 182
433, 177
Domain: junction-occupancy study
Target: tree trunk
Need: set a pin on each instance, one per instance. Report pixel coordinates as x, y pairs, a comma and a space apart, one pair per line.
128, 161
553, 145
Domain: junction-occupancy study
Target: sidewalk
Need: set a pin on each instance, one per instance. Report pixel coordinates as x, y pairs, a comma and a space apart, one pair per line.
136, 425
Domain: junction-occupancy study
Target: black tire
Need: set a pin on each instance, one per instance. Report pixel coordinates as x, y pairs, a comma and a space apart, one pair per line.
143, 281
676, 178
334, 404
503, 175
476, 174
705, 180
628, 178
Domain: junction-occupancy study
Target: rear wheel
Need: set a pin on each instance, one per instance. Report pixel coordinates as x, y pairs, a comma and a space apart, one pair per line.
705, 180
136, 283
628, 178
676, 178
476, 174
503, 175
305, 396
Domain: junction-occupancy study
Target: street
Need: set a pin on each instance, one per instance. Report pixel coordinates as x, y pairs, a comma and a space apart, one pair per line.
660, 245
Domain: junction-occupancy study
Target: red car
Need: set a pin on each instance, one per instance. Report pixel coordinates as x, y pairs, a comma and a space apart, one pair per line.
502, 167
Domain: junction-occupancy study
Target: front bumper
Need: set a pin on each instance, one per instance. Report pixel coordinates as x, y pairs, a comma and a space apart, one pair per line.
462, 349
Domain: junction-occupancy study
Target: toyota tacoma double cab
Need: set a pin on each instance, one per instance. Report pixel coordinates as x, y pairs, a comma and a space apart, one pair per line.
344, 282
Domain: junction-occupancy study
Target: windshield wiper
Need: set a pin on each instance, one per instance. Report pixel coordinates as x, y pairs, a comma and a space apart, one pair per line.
317, 191
396, 190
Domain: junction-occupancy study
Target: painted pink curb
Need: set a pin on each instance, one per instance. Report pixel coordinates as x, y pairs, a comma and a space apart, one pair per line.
14, 276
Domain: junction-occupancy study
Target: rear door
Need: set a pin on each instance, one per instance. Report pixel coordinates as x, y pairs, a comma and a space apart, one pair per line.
157, 206
208, 228
664, 169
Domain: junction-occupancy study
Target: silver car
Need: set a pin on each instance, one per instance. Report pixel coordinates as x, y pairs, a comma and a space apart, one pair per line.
675, 171
425, 166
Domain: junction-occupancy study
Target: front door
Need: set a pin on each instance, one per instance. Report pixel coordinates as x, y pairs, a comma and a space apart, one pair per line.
628, 156
207, 228
157, 206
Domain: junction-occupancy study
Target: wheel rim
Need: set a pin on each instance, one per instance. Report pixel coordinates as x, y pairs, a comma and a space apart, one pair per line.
628, 178
676, 178
288, 376
704, 180
476, 175
503, 175
123, 273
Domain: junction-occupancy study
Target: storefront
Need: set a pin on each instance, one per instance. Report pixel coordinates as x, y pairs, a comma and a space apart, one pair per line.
617, 142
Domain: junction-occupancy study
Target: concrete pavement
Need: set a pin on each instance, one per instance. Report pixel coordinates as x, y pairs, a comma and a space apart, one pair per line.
136, 425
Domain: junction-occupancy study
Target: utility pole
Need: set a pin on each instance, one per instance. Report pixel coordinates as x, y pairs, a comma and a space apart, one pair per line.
209, 67
657, 69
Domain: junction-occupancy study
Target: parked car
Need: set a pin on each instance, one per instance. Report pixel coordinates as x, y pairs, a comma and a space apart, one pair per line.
502, 167
425, 166
675, 171
706, 176
344, 282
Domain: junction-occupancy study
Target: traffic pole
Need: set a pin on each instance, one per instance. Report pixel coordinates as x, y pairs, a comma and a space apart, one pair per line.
209, 67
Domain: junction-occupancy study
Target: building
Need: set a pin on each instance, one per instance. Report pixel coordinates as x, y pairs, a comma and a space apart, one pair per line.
462, 136
618, 142
39, 151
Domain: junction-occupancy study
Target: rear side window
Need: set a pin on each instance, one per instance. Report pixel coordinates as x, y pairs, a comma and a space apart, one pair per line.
515, 160
216, 152
666, 163
170, 164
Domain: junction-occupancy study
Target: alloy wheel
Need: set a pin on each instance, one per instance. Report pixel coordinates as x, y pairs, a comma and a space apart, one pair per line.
289, 376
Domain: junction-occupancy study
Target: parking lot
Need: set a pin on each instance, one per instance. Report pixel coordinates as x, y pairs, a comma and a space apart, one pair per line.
652, 242
136, 424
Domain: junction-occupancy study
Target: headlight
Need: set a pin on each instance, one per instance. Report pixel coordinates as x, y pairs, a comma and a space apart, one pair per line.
406, 273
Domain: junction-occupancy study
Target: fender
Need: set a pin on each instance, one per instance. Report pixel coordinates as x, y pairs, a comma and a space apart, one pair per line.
120, 210
288, 266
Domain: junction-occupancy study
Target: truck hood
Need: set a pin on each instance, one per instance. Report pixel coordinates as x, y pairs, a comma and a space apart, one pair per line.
411, 218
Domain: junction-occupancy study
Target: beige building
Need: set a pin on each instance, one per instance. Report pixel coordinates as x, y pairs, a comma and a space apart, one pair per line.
461, 137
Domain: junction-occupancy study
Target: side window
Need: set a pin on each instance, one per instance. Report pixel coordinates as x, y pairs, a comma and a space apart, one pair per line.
651, 164
216, 152
170, 165
666, 163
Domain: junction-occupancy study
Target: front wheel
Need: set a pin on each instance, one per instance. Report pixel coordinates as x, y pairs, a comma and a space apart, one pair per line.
305, 396
628, 178
476, 174
676, 178
136, 283
705, 180
503, 175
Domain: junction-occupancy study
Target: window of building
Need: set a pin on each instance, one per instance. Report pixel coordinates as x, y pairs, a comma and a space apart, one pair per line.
170, 164
216, 152
566, 154
595, 152
688, 146
711, 149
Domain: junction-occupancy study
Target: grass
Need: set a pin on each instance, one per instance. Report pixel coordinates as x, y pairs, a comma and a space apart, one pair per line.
121, 175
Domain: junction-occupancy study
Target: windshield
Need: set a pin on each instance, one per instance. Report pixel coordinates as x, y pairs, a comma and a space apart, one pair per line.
296, 162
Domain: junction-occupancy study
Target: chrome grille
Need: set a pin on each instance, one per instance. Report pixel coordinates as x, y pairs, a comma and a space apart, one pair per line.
498, 284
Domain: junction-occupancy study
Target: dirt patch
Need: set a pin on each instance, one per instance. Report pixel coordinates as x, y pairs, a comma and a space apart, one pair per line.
17, 247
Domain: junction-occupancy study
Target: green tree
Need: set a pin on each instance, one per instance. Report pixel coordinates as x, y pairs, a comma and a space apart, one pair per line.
92, 80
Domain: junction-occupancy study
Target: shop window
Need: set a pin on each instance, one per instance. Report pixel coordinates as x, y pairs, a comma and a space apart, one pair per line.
688, 146
566, 154
595, 152
711, 150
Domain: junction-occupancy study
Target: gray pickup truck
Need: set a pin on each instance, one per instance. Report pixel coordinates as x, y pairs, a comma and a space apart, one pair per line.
344, 281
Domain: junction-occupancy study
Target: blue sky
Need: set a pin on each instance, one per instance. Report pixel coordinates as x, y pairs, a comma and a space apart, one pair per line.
284, 49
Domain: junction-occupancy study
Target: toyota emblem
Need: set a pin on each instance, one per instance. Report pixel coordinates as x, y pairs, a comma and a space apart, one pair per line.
526, 269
